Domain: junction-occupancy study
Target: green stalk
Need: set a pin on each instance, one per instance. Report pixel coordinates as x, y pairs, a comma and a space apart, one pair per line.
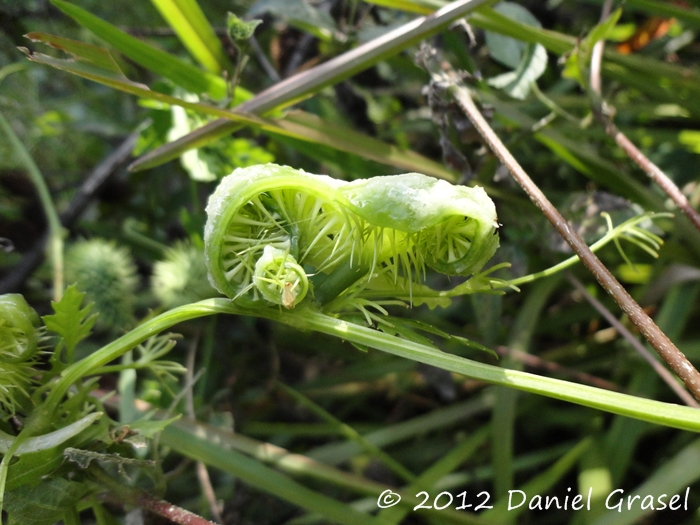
612, 235
55, 228
667, 414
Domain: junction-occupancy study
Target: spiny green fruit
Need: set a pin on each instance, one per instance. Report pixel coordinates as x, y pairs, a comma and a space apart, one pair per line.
19, 342
181, 278
107, 275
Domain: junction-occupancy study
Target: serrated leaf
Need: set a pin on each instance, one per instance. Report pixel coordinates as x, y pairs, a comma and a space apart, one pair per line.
45, 504
71, 322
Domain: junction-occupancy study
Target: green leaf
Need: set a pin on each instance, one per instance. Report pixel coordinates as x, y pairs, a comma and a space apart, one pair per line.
97, 64
44, 504
504, 49
603, 29
181, 73
50, 440
195, 32
313, 129
299, 13
307, 83
30, 469
257, 475
577, 63
239, 30
71, 322
148, 428
517, 83
528, 60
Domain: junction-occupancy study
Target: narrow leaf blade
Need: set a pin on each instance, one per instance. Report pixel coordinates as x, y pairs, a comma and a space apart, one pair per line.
195, 32
181, 73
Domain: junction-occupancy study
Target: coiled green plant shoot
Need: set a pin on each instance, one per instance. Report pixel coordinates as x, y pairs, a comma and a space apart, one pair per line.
285, 236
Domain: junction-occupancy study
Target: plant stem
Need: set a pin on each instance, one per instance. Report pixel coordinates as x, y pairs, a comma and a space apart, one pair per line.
662, 372
55, 228
656, 337
602, 114
304, 318
146, 501
610, 236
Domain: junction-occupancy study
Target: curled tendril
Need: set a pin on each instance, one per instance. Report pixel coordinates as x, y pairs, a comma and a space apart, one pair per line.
270, 228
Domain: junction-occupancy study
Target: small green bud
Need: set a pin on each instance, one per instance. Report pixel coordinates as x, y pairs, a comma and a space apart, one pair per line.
239, 30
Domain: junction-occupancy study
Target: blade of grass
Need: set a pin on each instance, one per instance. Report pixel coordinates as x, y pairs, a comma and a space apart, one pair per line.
336, 453
350, 433
307, 83
299, 465
426, 481
97, 64
504, 411
188, 77
502, 511
674, 476
257, 475
313, 129
194, 31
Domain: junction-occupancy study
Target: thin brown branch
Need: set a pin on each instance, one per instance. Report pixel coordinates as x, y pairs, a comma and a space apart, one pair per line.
169, 511
651, 169
141, 499
662, 372
602, 114
656, 337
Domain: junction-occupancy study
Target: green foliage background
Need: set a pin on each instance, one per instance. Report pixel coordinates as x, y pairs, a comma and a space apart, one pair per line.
301, 427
